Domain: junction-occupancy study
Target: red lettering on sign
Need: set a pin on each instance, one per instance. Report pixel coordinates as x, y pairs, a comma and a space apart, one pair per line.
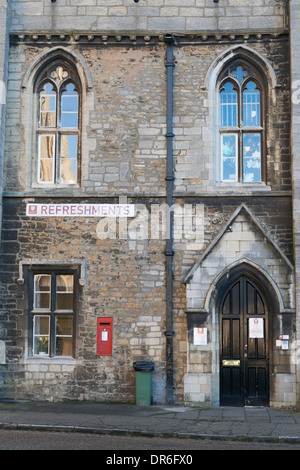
95, 210
112, 210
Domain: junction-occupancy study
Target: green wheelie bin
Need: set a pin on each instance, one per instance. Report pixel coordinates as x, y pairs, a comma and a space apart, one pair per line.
143, 382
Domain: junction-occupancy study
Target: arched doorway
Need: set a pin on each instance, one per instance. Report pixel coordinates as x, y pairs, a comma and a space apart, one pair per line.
244, 309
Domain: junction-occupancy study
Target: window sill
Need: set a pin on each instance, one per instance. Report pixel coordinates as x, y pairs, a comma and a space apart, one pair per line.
53, 186
50, 360
234, 186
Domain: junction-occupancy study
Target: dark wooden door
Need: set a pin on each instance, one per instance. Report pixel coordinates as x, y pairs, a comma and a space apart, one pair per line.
244, 375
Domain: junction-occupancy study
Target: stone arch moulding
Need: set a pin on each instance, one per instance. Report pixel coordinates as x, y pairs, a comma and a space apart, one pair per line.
243, 264
54, 53
235, 52
260, 254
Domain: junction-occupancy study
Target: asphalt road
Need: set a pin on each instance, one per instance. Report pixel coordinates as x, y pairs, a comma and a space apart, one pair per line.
32, 440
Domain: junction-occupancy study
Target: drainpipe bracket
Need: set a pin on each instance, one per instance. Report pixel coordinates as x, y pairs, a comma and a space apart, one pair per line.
169, 37
169, 333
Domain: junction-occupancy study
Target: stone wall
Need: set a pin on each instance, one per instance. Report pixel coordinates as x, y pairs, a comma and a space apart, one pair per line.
125, 279
119, 52
149, 15
124, 115
295, 83
4, 50
196, 114
242, 240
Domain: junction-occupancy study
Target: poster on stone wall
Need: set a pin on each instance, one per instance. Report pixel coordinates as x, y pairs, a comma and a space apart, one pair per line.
200, 336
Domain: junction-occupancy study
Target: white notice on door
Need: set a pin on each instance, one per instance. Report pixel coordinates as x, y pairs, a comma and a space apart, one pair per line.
256, 327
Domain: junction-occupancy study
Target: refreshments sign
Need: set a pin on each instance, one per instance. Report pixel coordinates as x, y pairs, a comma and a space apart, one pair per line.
79, 210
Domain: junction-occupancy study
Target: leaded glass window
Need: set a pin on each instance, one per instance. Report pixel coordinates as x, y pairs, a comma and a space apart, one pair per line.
241, 125
58, 126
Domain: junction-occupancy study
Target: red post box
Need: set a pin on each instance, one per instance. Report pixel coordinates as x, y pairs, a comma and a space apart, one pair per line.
104, 336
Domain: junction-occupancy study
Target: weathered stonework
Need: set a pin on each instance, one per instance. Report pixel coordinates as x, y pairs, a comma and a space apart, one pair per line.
148, 15
244, 243
295, 115
119, 51
4, 49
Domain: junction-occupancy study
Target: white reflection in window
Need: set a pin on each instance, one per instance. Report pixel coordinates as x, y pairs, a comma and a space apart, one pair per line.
252, 157
47, 106
69, 107
46, 158
68, 161
42, 291
229, 157
251, 105
229, 106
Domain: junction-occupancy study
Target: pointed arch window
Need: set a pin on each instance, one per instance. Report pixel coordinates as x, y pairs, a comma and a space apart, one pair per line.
58, 126
241, 124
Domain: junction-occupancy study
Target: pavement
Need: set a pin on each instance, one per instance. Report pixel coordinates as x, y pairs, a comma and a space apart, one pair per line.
249, 423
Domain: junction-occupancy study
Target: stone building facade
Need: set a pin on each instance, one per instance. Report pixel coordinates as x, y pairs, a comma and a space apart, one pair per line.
113, 113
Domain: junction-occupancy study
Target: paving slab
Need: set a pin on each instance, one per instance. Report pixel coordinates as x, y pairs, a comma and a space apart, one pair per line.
218, 423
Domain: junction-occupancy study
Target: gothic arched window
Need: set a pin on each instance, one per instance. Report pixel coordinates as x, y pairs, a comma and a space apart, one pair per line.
58, 125
241, 124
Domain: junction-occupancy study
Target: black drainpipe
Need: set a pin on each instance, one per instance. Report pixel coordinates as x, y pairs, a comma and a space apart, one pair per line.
169, 38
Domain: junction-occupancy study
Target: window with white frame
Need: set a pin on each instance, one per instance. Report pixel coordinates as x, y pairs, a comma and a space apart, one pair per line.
52, 313
58, 125
241, 124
